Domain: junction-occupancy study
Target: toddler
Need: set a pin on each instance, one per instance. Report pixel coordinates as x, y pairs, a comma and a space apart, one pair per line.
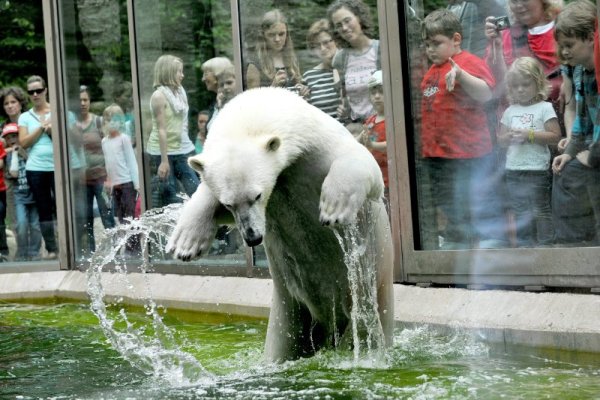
121, 166
527, 127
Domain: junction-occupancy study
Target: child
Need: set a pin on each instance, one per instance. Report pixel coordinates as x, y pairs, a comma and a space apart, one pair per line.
121, 167
227, 86
29, 235
576, 186
527, 127
455, 140
373, 135
201, 122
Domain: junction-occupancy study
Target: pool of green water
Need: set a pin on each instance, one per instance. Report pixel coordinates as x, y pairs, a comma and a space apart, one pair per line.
59, 351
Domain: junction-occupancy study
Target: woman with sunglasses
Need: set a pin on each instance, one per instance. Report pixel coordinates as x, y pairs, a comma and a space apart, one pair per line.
35, 135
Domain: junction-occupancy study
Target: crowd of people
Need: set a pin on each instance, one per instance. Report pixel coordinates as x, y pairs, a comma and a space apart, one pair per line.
507, 141
506, 136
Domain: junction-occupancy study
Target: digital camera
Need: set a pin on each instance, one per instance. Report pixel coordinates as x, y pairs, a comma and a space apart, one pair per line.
501, 23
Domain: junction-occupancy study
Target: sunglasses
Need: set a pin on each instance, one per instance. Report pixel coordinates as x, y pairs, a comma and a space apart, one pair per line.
36, 91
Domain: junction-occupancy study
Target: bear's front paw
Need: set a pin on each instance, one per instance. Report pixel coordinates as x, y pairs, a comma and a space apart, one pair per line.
190, 241
339, 208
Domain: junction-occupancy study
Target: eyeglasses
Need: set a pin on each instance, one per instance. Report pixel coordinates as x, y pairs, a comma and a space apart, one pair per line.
324, 43
36, 91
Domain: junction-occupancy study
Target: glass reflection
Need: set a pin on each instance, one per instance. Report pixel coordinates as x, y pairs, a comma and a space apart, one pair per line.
185, 77
512, 196
88, 128
328, 61
97, 75
169, 144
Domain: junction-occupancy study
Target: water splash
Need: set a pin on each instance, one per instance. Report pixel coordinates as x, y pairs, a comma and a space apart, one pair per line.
149, 344
360, 258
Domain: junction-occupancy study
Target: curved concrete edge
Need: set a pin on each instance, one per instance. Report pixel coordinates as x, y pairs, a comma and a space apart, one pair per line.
551, 320
554, 320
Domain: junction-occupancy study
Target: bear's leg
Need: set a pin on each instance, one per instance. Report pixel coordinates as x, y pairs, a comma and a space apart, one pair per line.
385, 273
291, 332
196, 227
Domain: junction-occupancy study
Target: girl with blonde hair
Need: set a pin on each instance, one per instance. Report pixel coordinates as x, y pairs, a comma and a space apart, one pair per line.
275, 62
528, 126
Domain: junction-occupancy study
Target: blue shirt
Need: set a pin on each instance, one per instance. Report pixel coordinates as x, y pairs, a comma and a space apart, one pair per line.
41, 155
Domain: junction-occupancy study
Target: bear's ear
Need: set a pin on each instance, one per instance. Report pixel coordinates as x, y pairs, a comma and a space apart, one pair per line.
197, 163
273, 143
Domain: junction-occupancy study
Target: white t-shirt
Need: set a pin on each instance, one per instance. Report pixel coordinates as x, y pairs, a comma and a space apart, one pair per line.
359, 69
528, 156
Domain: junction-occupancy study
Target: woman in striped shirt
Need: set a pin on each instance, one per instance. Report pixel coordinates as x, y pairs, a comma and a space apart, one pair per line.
323, 80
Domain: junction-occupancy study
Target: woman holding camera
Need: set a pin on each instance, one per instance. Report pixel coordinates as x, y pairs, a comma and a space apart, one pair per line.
530, 34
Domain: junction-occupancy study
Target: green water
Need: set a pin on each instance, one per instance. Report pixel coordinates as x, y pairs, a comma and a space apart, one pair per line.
58, 351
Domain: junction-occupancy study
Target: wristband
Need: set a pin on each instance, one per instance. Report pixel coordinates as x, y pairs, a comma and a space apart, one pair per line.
531, 136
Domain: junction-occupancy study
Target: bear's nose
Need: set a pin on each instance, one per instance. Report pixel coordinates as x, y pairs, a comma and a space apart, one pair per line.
255, 241
252, 238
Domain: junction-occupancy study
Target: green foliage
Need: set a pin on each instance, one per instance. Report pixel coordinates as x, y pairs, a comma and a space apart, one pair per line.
21, 41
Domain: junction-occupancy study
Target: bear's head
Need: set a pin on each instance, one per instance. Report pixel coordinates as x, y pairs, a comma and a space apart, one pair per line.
242, 175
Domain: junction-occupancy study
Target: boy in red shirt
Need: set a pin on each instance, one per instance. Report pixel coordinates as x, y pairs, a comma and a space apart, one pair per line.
456, 145
373, 135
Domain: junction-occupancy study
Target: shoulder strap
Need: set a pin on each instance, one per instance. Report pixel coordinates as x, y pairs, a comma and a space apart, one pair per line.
33, 115
378, 59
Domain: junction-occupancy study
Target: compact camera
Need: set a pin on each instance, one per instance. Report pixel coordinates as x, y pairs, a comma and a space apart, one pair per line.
501, 23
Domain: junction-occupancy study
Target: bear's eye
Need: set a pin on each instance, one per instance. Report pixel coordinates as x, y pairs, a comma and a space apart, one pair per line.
258, 197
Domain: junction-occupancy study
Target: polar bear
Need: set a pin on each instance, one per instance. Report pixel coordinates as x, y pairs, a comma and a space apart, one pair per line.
288, 173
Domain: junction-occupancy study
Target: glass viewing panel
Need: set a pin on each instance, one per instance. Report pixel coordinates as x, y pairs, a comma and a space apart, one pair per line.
100, 121
481, 151
182, 48
28, 163
325, 52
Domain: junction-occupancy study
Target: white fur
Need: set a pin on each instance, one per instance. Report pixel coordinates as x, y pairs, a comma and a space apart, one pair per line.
270, 158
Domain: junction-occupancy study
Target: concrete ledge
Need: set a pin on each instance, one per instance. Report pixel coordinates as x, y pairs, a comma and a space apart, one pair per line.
553, 320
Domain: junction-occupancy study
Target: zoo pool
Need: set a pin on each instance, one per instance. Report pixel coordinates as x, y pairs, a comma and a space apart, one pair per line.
57, 350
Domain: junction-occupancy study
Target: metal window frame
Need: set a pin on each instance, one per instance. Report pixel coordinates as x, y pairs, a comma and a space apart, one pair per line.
547, 267
561, 267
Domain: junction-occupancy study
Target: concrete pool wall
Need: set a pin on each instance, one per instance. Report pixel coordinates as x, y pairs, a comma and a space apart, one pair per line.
553, 320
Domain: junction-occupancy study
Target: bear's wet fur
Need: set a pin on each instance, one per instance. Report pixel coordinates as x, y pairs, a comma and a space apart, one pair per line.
288, 173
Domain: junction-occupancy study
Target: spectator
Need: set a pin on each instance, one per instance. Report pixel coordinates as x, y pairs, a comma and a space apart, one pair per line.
357, 59
210, 70
89, 127
373, 136
3, 243
201, 122
531, 34
169, 144
527, 127
457, 150
29, 237
576, 185
468, 13
123, 97
322, 80
121, 166
35, 134
274, 62
227, 86
14, 101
